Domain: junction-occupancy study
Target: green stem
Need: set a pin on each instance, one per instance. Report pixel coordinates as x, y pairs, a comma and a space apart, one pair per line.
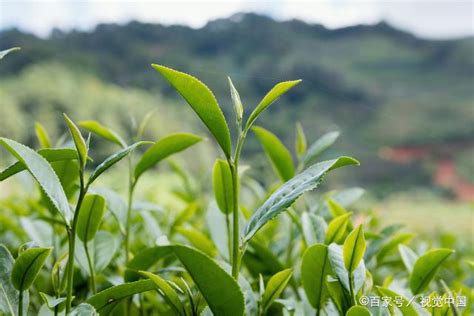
131, 187
72, 243
351, 289
91, 268
234, 168
20, 303
229, 237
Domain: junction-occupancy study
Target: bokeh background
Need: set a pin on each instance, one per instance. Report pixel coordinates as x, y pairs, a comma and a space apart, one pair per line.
396, 78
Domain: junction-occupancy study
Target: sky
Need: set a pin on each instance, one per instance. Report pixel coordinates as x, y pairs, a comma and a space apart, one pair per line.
438, 19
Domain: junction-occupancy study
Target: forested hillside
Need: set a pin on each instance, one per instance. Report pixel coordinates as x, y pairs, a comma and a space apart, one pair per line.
378, 85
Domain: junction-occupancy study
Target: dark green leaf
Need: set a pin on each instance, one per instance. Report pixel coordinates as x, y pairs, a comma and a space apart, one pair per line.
287, 194
277, 153
27, 266
426, 267
222, 184
41, 170
79, 141
106, 300
163, 148
275, 287
315, 268
91, 213
273, 95
144, 260
354, 249
203, 102
102, 131
112, 160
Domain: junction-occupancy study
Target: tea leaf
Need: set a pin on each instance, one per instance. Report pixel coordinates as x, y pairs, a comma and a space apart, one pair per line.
112, 160
222, 184
275, 287
169, 294
337, 228
5, 52
407, 308
163, 148
279, 155
287, 194
273, 95
50, 154
198, 240
336, 259
84, 310
27, 266
79, 141
144, 260
315, 268
42, 136
319, 146
106, 300
103, 248
203, 102
102, 131
354, 249
91, 213
358, 311
238, 108
314, 228
408, 256
426, 267
392, 244
8, 293
300, 141
219, 289
41, 170
50, 301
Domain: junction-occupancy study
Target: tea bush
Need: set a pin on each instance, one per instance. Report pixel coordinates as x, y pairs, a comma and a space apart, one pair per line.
243, 249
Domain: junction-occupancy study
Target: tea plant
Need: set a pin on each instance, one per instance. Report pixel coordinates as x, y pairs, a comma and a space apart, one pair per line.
241, 249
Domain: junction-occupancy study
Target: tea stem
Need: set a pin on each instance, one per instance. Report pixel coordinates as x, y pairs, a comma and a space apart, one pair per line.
91, 268
131, 187
20, 303
72, 242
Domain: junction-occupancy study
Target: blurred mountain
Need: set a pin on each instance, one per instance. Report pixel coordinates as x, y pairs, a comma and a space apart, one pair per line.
380, 86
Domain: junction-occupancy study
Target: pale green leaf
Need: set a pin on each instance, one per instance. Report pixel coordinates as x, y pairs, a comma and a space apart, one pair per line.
42, 135
237, 103
198, 240
112, 160
408, 256
405, 307
102, 131
50, 154
84, 309
277, 153
300, 141
392, 244
163, 148
273, 95
8, 294
43, 173
291, 190
5, 52
319, 146
275, 287
79, 141
354, 249
203, 102
426, 267
336, 259
358, 311
337, 228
